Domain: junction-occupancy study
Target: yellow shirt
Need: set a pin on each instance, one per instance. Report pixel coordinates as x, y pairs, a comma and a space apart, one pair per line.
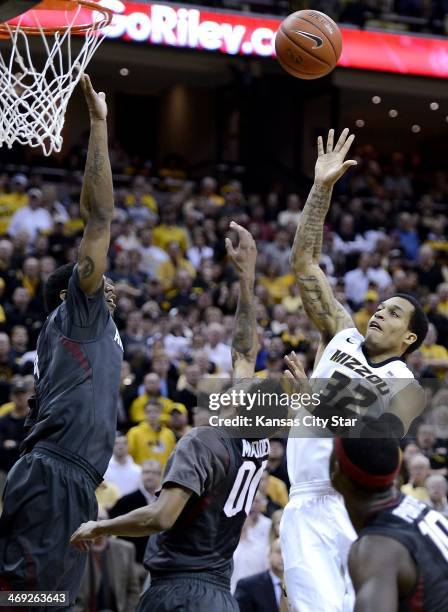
163, 234
278, 287
442, 308
148, 200
10, 202
107, 495
2, 314
277, 491
167, 271
419, 493
362, 318
435, 351
292, 303
146, 443
6, 408
137, 410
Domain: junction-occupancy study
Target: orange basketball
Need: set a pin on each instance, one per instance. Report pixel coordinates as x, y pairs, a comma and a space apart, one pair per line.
308, 44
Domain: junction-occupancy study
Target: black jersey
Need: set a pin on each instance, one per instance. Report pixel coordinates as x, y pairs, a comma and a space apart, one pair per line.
77, 378
424, 532
223, 474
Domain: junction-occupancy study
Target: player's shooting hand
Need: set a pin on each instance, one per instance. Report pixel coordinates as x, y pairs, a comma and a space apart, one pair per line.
244, 256
86, 533
96, 102
296, 374
330, 164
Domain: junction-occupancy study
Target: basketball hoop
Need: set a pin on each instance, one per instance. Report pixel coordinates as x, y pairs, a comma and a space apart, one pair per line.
34, 92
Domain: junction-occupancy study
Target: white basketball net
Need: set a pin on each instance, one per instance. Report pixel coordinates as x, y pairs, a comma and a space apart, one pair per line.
34, 93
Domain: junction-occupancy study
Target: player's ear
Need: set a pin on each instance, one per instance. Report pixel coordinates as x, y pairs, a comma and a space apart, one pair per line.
63, 294
410, 338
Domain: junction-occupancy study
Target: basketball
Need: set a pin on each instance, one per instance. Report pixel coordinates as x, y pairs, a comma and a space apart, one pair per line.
308, 44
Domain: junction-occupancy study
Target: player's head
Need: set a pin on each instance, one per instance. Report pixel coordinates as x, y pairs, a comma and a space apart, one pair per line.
399, 326
55, 289
364, 466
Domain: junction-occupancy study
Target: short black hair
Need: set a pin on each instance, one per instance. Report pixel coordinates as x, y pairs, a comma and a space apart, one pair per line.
418, 322
57, 282
374, 456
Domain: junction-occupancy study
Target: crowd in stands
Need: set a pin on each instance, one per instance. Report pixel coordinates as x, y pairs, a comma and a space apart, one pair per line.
176, 301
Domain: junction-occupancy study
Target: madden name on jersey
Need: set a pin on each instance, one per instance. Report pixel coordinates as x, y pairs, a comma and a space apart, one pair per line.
261, 421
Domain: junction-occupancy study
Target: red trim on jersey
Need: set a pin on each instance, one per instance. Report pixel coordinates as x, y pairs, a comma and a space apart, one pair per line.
417, 599
358, 475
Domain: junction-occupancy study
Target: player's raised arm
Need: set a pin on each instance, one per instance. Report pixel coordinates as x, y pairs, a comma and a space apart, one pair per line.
97, 201
245, 337
317, 296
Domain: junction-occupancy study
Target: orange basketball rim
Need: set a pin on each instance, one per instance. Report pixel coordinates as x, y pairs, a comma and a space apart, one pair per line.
34, 22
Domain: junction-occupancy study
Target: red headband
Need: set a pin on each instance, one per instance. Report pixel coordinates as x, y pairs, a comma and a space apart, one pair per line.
358, 475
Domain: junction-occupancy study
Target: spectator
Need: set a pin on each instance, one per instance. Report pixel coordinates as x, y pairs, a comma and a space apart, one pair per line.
107, 494
167, 270
251, 554
199, 251
134, 342
150, 439
276, 497
151, 256
110, 581
217, 351
419, 470
279, 250
290, 217
357, 281
364, 314
152, 393
122, 470
20, 311
437, 488
168, 232
263, 592
12, 426
32, 218
429, 271
277, 461
144, 494
178, 420
8, 367
435, 355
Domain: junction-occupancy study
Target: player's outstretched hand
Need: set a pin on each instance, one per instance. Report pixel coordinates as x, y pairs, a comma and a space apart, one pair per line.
244, 256
95, 101
330, 165
296, 374
84, 534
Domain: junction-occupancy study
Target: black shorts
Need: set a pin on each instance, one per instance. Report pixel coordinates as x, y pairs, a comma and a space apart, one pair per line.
191, 593
46, 497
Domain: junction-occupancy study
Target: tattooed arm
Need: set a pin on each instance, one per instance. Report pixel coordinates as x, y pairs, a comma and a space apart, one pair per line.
317, 296
245, 338
97, 203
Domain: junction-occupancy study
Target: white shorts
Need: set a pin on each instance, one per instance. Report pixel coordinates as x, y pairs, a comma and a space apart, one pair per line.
316, 535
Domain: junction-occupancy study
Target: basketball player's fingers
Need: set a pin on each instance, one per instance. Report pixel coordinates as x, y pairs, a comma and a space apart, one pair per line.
242, 232
330, 141
346, 146
320, 146
342, 139
229, 248
346, 165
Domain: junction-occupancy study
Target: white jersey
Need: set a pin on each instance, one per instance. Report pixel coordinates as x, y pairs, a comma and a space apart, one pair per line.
343, 359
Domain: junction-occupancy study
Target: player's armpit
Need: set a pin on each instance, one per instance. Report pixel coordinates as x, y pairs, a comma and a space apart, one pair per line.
373, 566
327, 314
